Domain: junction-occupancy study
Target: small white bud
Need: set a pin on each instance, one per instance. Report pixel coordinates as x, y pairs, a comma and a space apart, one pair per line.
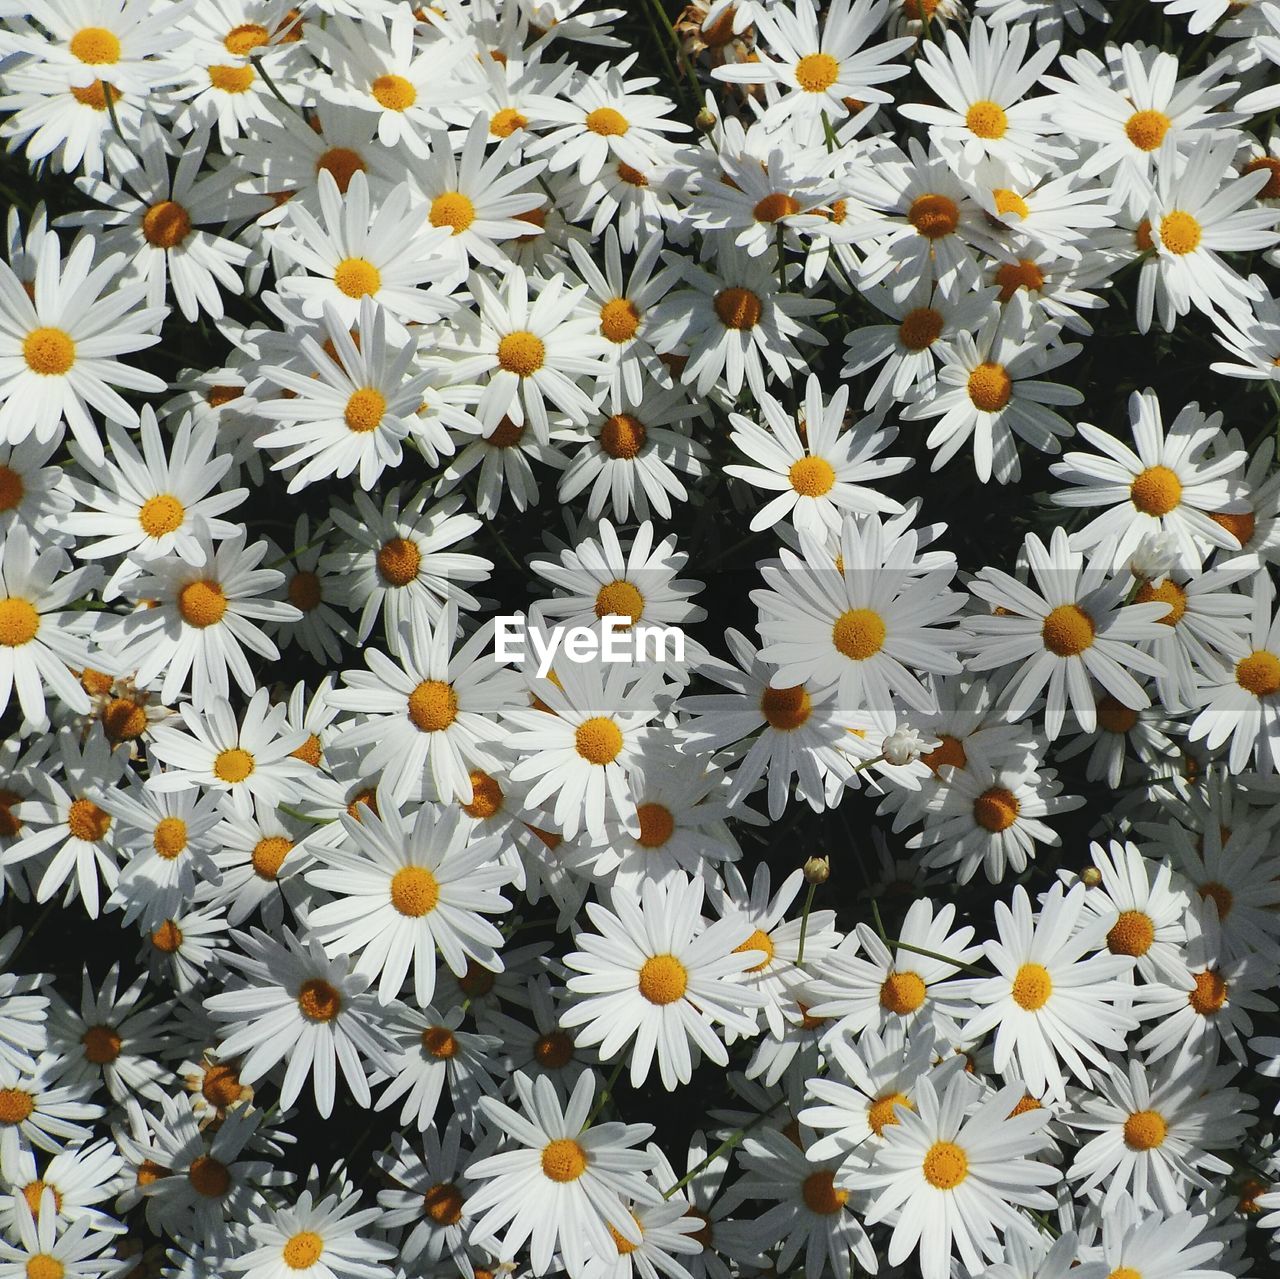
903, 746
1154, 558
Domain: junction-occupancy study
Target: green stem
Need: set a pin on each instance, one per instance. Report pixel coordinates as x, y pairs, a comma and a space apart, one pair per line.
804, 923
944, 959
606, 1093
268, 81
727, 1144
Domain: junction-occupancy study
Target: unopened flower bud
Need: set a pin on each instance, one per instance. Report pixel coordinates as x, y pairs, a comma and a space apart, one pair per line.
1154, 558
903, 746
1091, 876
705, 120
817, 870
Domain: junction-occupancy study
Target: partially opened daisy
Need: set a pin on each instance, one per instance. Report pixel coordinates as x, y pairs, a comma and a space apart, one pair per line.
654, 974
1169, 486
1053, 1000
403, 885
353, 410
58, 347
562, 1183
824, 65
293, 1004
1078, 628
831, 471
37, 649
859, 623
953, 1176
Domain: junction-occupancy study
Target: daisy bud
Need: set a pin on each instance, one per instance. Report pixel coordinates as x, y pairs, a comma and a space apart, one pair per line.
1091, 876
902, 746
817, 870
705, 120
1156, 555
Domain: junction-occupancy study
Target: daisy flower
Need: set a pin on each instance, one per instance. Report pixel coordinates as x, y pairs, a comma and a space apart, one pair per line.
989, 392
249, 760
202, 619
387, 255
316, 1238
822, 65
402, 889
59, 346
37, 644
1252, 338
654, 974
533, 351
860, 622
982, 87
831, 471
1241, 696
399, 558
353, 410
955, 1176
1167, 487
296, 1005
31, 493
41, 1249
562, 1184
504, 457
23, 1009
1076, 629
259, 855
36, 1114
1162, 1247
605, 117
144, 505
433, 718
1050, 1002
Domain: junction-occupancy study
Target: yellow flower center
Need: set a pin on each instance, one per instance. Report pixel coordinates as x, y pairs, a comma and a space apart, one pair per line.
624, 1245
607, 122
440, 1042
622, 436
486, 796
1131, 934
318, 1000
506, 122
94, 95
598, 740
859, 633
415, 891
920, 328
786, 709
244, 39
996, 809
49, 352
949, 753
817, 72
33, 1192
1168, 592
1010, 202
454, 210
1156, 491
12, 488
364, 410
167, 938
619, 320
1271, 164
656, 825
820, 1194
443, 1204
776, 206
1114, 716
522, 353
903, 993
233, 765
1259, 673
302, 1251
1240, 524
812, 476
398, 561
95, 46
87, 821
1023, 274
433, 706
343, 163
1179, 232
161, 515
1221, 896
663, 979
394, 92
357, 277
738, 308
1210, 993
632, 177
268, 855
554, 1050
1145, 1130
1146, 129
169, 838
1067, 631
166, 225
44, 1265
19, 622
1032, 987
202, 603
990, 387
945, 1165
15, 1105
209, 1177
1125, 1272
619, 599
563, 1160
231, 79
759, 940
304, 591
102, 1044
986, 119
934, 216
880, 1114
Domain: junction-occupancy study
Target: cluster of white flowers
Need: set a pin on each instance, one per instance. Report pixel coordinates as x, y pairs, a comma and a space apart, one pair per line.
933, 932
